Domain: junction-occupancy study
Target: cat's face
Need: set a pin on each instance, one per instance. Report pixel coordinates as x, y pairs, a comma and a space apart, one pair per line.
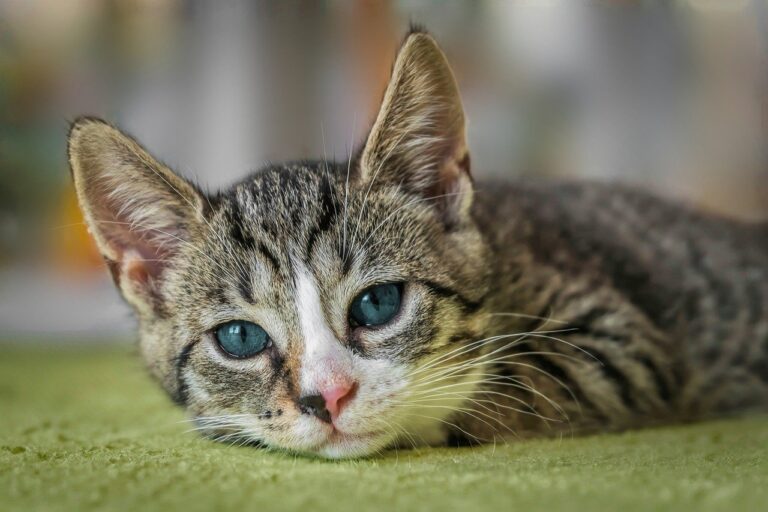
311, 306
351, 297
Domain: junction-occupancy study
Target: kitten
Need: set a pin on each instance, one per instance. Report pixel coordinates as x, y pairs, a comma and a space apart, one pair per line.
341, 308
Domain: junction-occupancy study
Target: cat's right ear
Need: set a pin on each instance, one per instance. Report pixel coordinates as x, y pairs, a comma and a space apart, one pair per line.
139, 212
418, 140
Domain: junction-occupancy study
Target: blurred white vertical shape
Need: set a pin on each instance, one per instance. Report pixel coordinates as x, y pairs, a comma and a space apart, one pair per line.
636, 127
606, 76
200, 113
224, 95
292, 36
540, 53
545, 50
549, 40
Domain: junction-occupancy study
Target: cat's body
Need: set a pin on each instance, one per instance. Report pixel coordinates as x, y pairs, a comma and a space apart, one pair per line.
665, 304
340, 308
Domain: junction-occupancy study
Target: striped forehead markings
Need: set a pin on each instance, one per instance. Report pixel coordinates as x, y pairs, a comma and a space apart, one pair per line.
252, 234
328, 213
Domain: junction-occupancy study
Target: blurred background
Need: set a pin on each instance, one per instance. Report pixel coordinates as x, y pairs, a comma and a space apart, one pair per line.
671, 95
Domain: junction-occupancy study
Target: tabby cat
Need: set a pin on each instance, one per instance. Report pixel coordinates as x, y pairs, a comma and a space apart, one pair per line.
342, 308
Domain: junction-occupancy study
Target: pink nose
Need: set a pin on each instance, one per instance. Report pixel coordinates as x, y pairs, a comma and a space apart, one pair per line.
337, 396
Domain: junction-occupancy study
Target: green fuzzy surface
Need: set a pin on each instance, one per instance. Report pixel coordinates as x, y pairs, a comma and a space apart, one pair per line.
86, 429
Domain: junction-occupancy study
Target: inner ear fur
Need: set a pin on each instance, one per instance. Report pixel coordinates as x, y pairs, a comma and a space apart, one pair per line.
139, 212
418, 140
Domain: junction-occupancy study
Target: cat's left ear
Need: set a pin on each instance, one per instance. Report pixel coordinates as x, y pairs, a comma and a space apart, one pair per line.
140, 213
418, 139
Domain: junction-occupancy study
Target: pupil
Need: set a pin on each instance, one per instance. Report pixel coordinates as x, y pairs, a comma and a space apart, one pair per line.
241, 338
376, 306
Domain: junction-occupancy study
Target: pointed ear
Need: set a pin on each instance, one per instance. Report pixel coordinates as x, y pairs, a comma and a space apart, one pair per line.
138, 211
418, 139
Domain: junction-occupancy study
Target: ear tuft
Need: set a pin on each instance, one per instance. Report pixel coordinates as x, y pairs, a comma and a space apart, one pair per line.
418, 140
416, 28
138, 211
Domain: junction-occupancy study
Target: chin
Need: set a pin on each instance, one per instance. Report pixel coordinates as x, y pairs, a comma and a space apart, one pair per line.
352, 437
329, 443
347, 446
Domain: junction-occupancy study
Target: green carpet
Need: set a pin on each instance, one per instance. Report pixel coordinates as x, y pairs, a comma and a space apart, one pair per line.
86, 429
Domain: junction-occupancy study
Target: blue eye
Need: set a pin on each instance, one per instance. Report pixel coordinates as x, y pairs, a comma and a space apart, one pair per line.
376, 306
241, 339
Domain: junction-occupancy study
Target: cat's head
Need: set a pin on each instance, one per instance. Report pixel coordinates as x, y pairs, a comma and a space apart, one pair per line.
310, 306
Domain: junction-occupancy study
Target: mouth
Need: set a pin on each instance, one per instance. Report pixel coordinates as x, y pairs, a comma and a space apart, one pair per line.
335, 435
338, 435
339, 444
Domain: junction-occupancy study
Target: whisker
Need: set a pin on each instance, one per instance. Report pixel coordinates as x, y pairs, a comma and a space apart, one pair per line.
346, 186
580, 349
480, 402
450, 424
373, 179
510, 381
469, 412
465, 348
481, 360
399, 208
192, 205
179, 239
531, 317
327, 170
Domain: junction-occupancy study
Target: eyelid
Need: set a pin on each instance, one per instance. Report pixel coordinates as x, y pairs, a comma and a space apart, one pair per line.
359, 290
218, 318
398, 280
227, 313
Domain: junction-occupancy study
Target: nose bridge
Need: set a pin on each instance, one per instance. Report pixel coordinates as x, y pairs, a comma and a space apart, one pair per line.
325, 362
326, 370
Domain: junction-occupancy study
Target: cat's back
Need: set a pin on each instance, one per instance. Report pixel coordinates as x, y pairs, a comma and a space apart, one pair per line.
584, 219
699, 277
